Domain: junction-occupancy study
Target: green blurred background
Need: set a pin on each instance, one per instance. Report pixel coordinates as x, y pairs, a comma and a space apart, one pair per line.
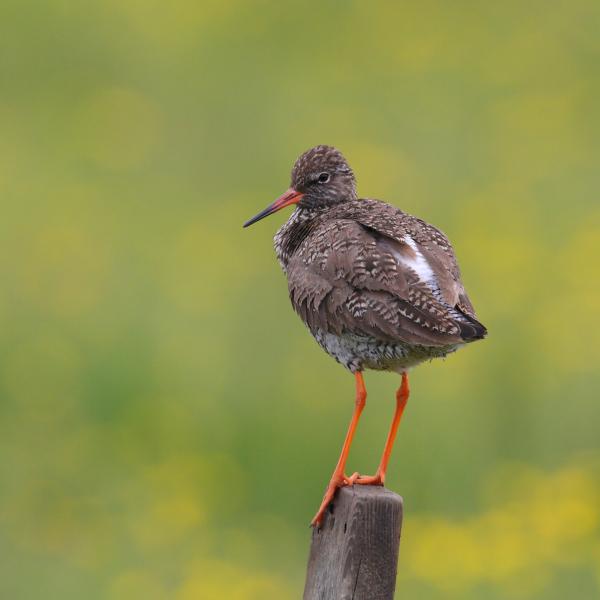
167, 425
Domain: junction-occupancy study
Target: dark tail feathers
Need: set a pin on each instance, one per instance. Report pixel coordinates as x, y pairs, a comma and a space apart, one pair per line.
471, 329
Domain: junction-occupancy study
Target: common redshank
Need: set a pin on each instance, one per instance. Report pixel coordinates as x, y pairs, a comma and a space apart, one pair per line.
377, 288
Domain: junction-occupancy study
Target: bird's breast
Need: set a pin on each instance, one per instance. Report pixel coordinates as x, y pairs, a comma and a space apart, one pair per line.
291, 234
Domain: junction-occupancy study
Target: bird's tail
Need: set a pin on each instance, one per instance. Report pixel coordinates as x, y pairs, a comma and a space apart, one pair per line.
471, 329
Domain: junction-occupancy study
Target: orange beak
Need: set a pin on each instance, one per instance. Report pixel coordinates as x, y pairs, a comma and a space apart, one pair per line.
291, 196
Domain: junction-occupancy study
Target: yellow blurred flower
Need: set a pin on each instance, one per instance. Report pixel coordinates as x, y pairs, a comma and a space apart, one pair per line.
540, 522
210, 579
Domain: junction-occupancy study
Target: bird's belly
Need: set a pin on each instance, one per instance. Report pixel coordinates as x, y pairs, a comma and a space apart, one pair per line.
358, 352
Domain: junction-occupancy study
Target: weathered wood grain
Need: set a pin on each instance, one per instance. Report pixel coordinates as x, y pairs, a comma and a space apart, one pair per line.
354, 555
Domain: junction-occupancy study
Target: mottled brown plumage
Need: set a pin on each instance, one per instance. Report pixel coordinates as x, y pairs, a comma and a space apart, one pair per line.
378, 288
345, 275
364, 268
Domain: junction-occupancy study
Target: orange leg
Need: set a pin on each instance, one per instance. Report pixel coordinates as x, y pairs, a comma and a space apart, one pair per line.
379, 477
339, 479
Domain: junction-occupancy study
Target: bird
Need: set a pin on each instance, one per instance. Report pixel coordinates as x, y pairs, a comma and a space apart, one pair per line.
378, 288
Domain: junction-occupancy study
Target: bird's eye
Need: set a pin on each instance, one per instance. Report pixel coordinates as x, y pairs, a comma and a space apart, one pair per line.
323, 178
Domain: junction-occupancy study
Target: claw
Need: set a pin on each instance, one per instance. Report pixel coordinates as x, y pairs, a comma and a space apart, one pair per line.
337, 481
353, 478
377, 479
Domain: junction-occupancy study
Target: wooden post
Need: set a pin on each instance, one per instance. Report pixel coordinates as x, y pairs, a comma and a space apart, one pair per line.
354, 555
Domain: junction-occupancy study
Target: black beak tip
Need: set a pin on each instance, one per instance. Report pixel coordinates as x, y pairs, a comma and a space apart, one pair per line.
258, 217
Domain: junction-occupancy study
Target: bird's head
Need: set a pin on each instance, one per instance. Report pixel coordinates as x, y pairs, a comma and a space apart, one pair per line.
321, 177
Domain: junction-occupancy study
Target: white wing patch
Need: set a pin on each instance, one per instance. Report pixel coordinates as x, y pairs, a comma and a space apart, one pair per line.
418, 263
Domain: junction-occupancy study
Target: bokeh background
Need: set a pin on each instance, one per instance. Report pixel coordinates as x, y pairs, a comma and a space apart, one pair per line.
167, 426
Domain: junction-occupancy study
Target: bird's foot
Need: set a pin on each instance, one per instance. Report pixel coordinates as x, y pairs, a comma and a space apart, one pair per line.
358, 479
338, 480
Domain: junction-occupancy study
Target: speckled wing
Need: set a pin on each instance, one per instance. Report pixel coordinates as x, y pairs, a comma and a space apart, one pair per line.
360, 272
431, 242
